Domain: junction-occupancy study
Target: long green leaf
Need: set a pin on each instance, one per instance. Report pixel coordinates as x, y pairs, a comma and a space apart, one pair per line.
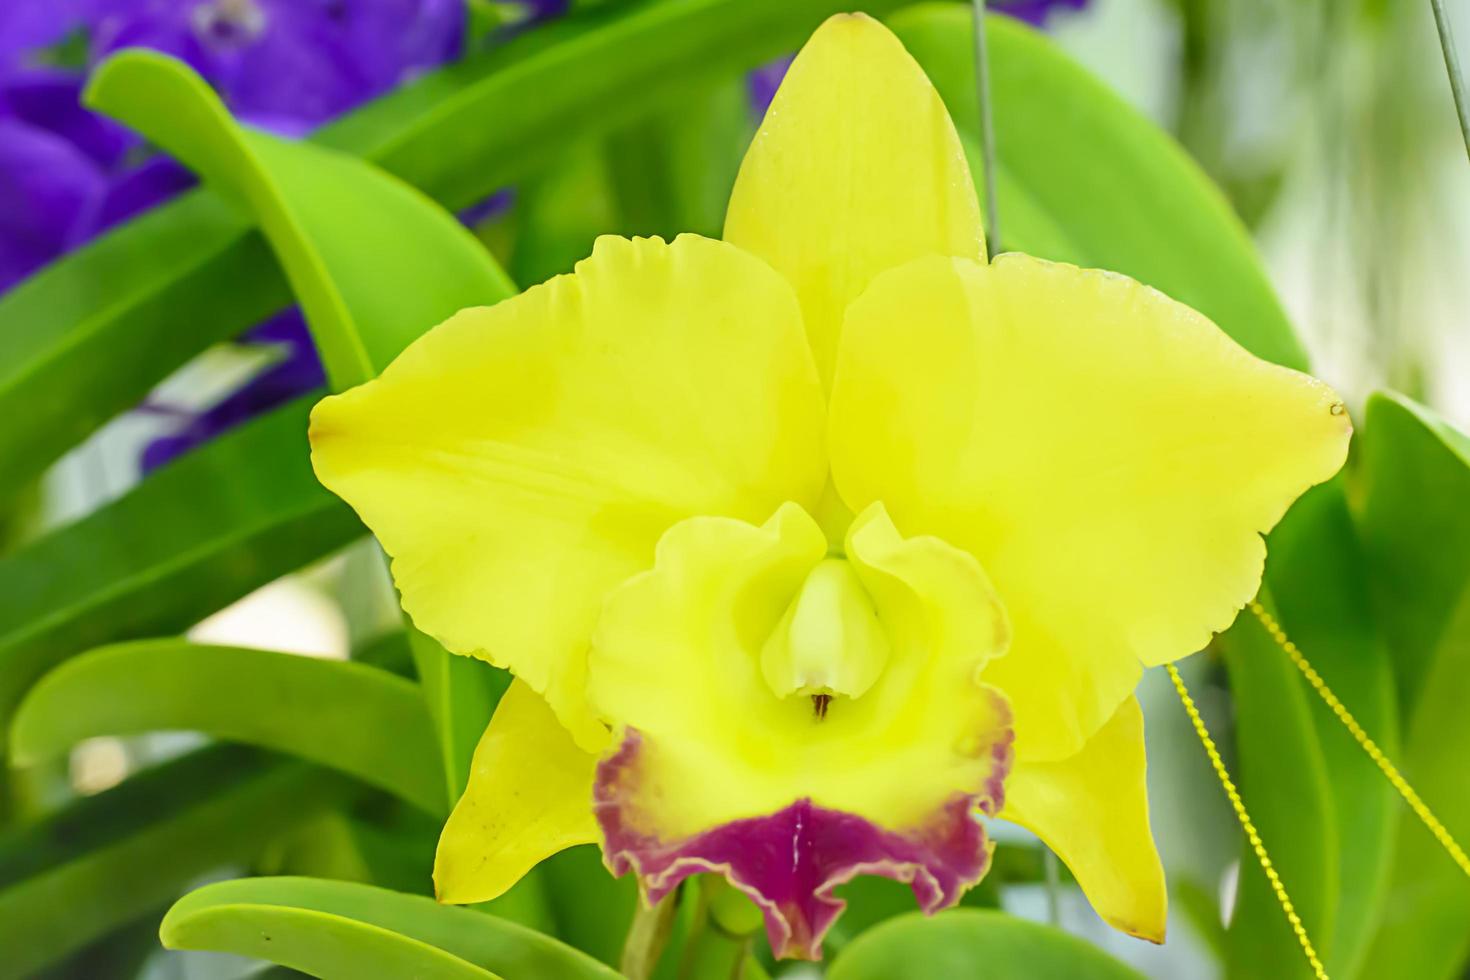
978, 944
1085, 178
1415, 520
1318, 577
105, 860
86, 338
337, 929
1416, 492
369, 286
1283, 779
373, 262
349, 716
194, 537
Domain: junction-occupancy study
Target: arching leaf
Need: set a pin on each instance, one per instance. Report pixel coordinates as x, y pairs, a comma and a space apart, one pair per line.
349, 716
976, 944
337, 929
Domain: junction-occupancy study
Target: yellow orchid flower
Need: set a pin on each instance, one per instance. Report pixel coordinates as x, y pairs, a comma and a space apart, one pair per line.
753, 521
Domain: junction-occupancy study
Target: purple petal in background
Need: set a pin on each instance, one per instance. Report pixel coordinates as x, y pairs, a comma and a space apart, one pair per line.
1036, 12
50, 99
137, 190
298, 371
47, 186
764, 81
303, 59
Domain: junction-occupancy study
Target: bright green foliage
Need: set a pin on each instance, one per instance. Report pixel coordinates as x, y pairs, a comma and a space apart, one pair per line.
1318, 578
1415, 520
337, 929
369, 285
973, 943
349, 716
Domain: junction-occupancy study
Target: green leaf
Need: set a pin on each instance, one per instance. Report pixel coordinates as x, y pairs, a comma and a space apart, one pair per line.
197, 535
1283, 779
337, 929
103, 861
1326, 814
349, 716
1415, 520
89, 336
577, 882
1317, 576
1084, 178
369, 286
978, 944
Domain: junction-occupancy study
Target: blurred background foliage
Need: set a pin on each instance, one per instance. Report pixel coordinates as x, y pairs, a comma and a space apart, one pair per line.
1292, 169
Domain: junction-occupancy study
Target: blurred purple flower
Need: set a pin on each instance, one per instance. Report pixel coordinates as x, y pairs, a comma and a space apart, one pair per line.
1036, 12
67, 174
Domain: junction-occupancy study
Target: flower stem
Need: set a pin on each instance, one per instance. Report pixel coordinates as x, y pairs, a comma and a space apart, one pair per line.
647, 936
987, 132
1452, 66
1053, 889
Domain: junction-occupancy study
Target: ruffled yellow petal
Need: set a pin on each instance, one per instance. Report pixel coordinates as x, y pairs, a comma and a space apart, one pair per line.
856, 169
519, 461
529, 796
1092, 810
1109, 455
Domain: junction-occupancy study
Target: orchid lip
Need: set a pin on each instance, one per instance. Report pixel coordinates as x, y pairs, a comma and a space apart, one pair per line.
789, 863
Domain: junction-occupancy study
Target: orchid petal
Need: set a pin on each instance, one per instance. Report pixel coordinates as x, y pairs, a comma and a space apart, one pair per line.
519, 461
857, 168
1110, 457
1092, 810
529, 796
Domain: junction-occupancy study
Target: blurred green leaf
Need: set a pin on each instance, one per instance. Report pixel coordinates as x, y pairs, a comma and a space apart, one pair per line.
103, 861
197, 535
90, 335
1085, 178
1317, 576
978, 944
338, 929
349, 716
1415, 519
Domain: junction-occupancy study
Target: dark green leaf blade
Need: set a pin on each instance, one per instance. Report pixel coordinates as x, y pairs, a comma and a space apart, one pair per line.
105, 860
194, 537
